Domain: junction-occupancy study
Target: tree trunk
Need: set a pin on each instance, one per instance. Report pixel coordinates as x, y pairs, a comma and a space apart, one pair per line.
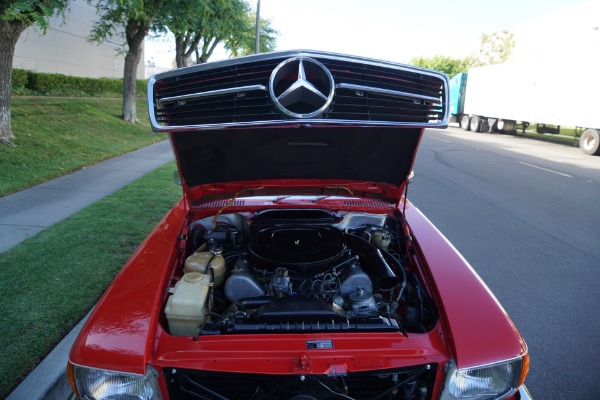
212, 48
185, 46
208, 47
135, 32
181, 58
132, 59
9, 34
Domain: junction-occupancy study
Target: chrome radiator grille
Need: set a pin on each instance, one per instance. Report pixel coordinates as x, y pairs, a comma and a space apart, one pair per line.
321, 88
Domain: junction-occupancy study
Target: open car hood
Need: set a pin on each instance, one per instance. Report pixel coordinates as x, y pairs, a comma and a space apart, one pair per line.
296, 122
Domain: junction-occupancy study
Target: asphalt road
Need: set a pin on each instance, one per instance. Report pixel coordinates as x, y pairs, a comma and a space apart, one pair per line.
526, 215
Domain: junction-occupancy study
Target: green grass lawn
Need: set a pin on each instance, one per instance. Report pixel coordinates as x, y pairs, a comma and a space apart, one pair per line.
569, 141
50, 281
55, 136
566, 136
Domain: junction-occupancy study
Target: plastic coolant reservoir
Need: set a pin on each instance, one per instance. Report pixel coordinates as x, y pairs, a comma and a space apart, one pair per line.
185, 308
199, 262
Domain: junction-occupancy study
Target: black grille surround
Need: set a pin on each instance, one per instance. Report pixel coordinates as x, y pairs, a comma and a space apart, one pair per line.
402, 383
235, 93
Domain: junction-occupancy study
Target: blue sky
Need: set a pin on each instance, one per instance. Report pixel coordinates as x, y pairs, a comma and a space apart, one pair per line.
395, 30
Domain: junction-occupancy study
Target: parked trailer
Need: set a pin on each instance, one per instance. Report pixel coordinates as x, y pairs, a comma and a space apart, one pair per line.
496, 98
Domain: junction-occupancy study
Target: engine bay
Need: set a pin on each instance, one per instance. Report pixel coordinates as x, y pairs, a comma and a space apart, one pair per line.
295, 271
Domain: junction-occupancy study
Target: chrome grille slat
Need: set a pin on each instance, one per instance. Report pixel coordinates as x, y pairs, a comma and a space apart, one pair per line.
253, 106
393, 78
387, 92
236, 91
212, 93
213, 80
383, 107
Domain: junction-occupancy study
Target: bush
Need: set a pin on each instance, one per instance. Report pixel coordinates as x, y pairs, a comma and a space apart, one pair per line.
42, 84
19, 79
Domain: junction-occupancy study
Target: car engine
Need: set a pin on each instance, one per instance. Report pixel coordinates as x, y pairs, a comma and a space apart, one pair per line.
279, 271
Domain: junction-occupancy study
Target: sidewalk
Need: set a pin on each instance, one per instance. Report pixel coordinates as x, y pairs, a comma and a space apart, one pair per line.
26, 213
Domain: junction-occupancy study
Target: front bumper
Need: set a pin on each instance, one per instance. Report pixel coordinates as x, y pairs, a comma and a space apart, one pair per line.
523, 393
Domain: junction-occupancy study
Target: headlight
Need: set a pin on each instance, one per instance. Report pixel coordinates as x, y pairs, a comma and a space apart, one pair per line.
494, 381
99, 384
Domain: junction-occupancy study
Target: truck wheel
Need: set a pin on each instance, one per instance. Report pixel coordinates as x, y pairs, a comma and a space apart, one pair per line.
589, 142
464, 122
475, 124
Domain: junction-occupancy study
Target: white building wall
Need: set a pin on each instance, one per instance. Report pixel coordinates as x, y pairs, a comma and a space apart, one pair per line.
64, 49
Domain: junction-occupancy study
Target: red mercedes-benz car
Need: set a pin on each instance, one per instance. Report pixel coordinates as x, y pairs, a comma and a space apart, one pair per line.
294, 267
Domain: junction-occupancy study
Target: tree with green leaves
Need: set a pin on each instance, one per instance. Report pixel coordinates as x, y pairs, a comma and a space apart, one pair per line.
134, 18
245, 43
450, 65
200, 28
15, 17
494, 48
185, 20
225, 23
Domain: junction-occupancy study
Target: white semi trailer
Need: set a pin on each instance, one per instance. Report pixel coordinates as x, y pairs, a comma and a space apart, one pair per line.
554, 79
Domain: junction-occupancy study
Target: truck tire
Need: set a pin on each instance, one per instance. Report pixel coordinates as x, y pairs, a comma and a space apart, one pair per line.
475, 124
464, 122
589, 142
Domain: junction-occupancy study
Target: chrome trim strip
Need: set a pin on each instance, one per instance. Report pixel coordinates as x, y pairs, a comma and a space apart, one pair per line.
307, 122
151, 110
388, 92
213, 93
524, 393
496, 363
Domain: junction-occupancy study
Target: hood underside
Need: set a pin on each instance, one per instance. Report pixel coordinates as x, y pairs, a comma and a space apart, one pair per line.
296, 115
368, 154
